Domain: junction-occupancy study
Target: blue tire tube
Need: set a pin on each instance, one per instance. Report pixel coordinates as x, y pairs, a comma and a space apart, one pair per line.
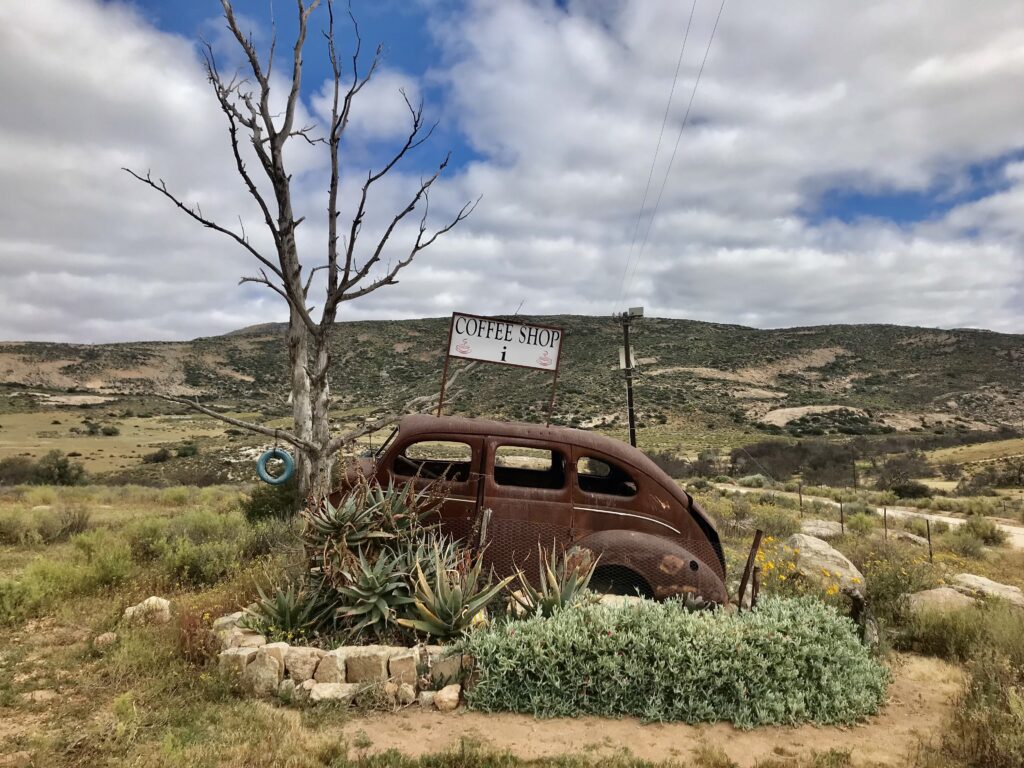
286, 459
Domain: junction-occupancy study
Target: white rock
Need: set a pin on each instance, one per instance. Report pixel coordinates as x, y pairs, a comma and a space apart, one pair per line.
233, 661
263, 674
426, 698
908, 538
939, 600
445, 666
152, 610
336, 692
817, 560
620, 601
367, 663
331, 668
277, 650
402, 666
300, 663
240, 637
447, 698
227, 622
979, 586
40, 696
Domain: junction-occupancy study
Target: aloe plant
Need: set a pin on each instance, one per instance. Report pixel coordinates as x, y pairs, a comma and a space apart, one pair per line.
562, 581
348, 525
284, 612
449, 605
371, 594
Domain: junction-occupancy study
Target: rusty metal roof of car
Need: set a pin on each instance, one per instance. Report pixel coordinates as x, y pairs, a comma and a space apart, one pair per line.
627, 454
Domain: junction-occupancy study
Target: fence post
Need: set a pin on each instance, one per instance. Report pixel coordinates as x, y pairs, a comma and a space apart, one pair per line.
750, 564
755, 587
885, 520
800, 490
928, 527
842, 518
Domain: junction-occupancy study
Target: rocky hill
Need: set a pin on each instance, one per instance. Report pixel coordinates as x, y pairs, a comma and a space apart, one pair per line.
850, 379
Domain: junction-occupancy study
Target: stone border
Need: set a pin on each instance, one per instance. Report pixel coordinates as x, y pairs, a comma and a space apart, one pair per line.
375, 675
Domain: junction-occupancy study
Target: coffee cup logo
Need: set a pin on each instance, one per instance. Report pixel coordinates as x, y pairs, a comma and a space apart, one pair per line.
544, 359
463, 347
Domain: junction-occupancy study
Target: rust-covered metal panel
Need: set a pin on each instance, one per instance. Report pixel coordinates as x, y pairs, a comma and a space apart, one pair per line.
597, 492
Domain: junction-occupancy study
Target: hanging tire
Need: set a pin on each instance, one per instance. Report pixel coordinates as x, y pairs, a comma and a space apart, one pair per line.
285, 458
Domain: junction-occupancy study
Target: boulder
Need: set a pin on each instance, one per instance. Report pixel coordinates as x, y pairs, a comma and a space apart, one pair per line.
821, 529
40, 696
240, 637
335, 692
907, 538
331, 667
263, 674
620, 601
152, 610
227, 622
979, 586
300, 663
406, 694
104, 641
402, 666
445, 666
817, 560
367, 663
939, 600
277, 650
426, 698
233, 661
447, 699
20, 759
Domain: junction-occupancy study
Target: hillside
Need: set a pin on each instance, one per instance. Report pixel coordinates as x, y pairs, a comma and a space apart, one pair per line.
853, 379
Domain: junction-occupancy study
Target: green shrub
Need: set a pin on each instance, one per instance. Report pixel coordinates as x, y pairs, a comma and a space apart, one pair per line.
178, 496
953, 635
754, 481
964, 543
17, 470
986, 530
776, 522
790, 661
269, 501
187, 450
57, 469
158, 456
199, 564
861, 523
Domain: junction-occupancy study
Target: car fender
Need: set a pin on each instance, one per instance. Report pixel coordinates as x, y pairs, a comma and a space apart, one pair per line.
669, 568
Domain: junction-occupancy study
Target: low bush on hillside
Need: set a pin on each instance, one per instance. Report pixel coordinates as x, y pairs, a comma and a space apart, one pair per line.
272, 501
54, 468
789, 661
754, 481
990, 534
44, 526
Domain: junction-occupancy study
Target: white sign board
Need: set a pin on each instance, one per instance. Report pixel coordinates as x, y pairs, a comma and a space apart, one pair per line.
503, 342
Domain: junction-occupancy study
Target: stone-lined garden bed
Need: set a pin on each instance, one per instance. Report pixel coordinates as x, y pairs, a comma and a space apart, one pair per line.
375, 675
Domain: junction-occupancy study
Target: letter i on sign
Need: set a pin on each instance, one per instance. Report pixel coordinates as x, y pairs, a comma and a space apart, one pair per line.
503, 353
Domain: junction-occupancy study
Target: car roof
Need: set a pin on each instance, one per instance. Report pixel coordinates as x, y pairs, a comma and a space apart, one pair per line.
627, 454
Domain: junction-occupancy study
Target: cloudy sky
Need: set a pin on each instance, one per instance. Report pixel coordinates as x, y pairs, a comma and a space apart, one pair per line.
857, 162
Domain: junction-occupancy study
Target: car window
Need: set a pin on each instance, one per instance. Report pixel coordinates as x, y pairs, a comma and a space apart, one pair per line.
435, 460
600, 476
529, 467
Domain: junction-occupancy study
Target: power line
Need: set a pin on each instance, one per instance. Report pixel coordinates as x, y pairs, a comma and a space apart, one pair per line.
654, 159
675, 149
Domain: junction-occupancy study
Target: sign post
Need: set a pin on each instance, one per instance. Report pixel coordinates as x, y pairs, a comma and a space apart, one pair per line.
503, 342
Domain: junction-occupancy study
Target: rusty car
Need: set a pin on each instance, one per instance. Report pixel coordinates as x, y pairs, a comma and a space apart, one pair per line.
561, 487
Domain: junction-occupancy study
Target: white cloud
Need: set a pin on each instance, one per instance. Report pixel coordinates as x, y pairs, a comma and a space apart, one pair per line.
564, 109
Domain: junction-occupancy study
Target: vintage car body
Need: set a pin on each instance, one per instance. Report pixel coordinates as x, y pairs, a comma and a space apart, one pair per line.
573, 488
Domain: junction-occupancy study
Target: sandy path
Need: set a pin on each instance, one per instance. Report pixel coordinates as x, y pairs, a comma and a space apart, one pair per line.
920, 700
1014, 533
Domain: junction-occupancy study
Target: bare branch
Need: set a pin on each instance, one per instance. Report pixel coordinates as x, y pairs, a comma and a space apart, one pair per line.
197, 214
282, 434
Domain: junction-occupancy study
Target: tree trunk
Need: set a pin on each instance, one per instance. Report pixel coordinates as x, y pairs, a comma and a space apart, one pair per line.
320, 398
298, 359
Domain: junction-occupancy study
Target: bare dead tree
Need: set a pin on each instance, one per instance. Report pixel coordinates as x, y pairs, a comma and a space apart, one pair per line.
351, 269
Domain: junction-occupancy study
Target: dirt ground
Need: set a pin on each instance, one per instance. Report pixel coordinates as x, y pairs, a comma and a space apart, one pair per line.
920, 700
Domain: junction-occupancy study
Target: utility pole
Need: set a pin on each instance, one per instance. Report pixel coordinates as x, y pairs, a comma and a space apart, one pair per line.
626, 362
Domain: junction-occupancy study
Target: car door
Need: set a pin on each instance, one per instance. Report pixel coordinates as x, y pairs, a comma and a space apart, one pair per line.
526, 487
445, 463
610, 495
